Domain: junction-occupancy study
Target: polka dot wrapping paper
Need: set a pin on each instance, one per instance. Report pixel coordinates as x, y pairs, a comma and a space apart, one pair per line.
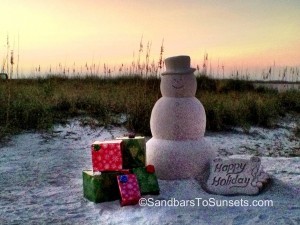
129, 189
107, 155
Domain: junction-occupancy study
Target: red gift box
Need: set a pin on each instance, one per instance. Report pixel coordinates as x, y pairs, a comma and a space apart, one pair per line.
129, 189
107, 155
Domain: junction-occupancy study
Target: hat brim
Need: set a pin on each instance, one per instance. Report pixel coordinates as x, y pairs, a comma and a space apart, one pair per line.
177, 72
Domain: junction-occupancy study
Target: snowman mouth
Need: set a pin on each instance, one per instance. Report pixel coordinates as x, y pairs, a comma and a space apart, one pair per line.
178, 87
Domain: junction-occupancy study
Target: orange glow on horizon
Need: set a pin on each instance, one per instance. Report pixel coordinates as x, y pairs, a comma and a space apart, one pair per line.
248, 35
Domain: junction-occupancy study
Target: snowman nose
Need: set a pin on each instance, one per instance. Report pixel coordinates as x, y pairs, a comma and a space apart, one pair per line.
177, 80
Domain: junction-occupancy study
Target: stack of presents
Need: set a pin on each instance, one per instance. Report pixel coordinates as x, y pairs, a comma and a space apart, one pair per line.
119, 172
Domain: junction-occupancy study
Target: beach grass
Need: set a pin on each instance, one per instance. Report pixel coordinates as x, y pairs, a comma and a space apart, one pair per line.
41, 102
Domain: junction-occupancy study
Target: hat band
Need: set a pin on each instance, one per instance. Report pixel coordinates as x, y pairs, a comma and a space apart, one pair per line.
176, 72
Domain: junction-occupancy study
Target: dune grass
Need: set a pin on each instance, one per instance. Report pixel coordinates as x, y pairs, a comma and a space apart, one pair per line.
39, 103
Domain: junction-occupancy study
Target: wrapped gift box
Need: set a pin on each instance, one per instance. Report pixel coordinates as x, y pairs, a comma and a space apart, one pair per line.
129, 189
147, 180
103, 187
107, 155
134, 152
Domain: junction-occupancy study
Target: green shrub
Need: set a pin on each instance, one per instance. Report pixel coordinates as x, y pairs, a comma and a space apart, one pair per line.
205, 83
38, 103
236, 85
290, 100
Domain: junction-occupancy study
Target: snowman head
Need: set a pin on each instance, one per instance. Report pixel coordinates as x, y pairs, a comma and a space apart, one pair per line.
178, 80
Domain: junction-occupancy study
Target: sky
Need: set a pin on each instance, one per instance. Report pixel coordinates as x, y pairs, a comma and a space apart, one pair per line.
236, 34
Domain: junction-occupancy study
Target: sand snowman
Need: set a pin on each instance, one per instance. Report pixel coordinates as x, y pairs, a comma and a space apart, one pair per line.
178, 148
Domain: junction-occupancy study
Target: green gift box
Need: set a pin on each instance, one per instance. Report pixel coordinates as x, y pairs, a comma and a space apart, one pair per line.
147, 180
101, 188
134, 152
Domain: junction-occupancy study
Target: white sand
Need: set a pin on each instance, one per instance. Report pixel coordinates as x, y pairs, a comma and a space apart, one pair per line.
40, 181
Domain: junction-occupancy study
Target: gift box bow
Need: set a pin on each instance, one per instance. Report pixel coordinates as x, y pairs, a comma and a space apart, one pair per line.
96, 147
150, 169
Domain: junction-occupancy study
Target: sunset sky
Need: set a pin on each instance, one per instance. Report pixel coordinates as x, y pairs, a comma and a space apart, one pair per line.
237, 34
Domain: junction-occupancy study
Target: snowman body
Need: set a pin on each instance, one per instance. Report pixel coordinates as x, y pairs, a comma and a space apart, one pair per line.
178, 148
